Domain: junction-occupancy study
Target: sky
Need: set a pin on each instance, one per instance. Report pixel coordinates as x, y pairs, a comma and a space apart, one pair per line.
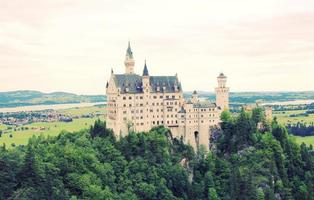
71, 45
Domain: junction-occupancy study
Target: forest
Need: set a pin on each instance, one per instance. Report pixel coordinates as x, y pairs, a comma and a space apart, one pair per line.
249, 159
301, 129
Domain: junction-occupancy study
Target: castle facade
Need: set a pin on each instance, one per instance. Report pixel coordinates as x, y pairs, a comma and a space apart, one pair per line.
140, 102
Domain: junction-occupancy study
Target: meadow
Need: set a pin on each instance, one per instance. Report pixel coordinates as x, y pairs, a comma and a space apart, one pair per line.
20, 135
307, 140
284, 117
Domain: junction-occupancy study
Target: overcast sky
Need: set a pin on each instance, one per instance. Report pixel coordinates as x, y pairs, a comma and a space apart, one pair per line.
71, 45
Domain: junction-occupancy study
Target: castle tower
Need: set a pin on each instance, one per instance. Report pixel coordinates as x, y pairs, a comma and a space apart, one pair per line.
222, 92
194, 97
129, 61
145, 79
268, 113
146, 91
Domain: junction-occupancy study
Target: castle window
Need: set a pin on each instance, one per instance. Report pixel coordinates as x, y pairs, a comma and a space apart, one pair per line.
124, 112
141, 97
130, 98
155, 97
124, 98
124, 105
167, 97
160, 96
130, 105
173, 96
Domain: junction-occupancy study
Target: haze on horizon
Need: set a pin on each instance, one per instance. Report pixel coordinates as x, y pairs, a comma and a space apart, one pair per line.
71, 45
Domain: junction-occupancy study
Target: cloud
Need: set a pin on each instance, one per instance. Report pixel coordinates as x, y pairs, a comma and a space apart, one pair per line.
72, 44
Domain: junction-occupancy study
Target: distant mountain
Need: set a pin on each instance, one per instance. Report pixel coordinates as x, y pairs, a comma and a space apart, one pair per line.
262, 97
29, 98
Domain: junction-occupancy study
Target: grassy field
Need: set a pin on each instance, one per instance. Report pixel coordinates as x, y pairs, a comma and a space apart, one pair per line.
307, 140
83, 110
21, 137
284, 117
2, 127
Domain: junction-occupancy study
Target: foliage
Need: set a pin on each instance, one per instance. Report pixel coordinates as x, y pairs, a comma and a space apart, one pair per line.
92, 164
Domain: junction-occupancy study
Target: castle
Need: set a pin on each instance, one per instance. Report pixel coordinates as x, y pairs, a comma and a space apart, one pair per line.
139, 103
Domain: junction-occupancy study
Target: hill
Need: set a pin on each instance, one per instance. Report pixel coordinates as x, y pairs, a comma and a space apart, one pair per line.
245, 164
29, 98
252, 97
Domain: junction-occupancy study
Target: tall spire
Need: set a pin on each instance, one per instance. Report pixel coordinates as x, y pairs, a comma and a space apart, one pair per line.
145, 71
129, 60
129, 52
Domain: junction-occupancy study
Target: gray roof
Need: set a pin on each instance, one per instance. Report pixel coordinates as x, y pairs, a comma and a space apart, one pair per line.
132, 83
182, 110
145, 71
222, 75
204, 104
